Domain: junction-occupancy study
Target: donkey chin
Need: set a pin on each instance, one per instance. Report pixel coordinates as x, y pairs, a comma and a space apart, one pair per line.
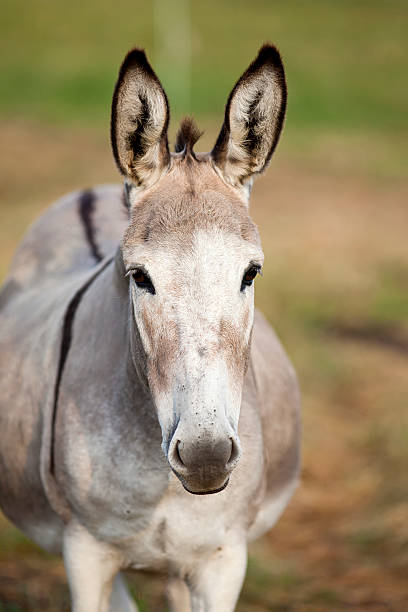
204, 465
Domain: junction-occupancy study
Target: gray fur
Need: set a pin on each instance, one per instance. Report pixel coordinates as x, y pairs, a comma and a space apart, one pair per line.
83, 470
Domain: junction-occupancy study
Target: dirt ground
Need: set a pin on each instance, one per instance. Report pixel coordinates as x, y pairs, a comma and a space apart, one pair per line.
335, 287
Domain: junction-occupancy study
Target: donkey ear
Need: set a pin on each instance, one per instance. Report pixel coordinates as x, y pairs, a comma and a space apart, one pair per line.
139, 121
253, 119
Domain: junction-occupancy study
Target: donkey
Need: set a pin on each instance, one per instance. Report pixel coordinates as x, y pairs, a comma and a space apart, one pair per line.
149, 415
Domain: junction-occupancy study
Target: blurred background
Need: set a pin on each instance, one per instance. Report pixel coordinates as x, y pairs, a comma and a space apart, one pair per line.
333, 215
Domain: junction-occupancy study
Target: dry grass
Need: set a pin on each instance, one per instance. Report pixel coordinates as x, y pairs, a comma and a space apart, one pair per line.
336, 252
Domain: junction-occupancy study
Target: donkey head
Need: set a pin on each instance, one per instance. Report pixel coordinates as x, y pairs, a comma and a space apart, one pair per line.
192, 253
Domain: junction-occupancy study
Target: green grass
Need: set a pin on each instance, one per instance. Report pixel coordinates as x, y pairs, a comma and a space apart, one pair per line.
371, 542
345, 61
390, 300
10, 607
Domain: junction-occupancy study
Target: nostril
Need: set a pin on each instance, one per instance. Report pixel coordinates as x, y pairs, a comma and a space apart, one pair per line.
174, 457
197, 457
235, 454
177, 454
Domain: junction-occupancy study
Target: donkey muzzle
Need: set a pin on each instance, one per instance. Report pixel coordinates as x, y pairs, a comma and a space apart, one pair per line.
203, 464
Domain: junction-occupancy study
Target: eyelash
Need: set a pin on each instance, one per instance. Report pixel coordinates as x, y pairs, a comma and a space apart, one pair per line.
249, 276
142, 280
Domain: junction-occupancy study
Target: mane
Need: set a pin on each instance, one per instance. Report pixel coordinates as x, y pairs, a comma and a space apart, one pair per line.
187, 135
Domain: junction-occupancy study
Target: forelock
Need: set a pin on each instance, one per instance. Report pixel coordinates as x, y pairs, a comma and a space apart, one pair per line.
187, 136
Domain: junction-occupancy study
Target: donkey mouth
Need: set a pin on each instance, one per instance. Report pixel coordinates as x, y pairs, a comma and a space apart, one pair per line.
206, 492
199, 486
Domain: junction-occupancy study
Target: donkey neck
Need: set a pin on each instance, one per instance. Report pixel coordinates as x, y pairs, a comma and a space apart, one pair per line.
104, 327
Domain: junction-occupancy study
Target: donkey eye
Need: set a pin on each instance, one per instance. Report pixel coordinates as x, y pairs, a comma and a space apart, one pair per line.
142, 280
249, 276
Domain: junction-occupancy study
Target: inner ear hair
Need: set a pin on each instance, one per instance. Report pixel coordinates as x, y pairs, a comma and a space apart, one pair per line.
139, 121
253, 120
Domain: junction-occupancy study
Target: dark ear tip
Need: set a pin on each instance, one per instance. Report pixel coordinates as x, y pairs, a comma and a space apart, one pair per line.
268, 54
135, 58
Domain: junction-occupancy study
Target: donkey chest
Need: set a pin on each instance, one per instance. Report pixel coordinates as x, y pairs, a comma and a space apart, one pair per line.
168, 529
182, 529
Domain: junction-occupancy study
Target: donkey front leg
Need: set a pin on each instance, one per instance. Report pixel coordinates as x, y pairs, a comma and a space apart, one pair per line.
91, 568
178, 595
216, 585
